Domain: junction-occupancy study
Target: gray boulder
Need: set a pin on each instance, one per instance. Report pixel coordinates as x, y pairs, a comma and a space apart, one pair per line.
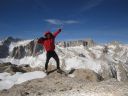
86, 75
121, 73
10, 68
108, 67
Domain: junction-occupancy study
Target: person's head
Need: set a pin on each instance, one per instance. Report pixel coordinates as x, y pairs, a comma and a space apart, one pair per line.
48, 34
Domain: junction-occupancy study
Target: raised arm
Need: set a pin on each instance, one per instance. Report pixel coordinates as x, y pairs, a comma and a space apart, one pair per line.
57, 32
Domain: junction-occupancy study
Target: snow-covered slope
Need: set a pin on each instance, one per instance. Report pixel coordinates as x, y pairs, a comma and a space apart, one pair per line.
8, 80
19, 43
76, 57
108, 63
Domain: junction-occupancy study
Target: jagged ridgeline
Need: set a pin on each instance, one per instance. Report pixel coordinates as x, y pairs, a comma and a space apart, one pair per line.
19, 48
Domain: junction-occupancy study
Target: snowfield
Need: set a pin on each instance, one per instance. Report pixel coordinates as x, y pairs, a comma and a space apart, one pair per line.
8, 80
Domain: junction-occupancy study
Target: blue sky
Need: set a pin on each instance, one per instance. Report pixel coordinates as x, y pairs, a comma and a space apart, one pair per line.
101, 20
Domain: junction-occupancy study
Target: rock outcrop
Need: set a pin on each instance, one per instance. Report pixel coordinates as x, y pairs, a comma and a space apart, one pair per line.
4, 47
11, 68
4, 51
57, 85
107, 67
87, 42
18, 52
22, 51
86, 75
121, 73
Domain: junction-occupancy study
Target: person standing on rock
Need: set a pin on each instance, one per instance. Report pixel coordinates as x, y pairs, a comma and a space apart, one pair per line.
48, 41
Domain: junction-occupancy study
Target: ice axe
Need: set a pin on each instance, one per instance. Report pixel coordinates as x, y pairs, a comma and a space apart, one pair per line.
57, 26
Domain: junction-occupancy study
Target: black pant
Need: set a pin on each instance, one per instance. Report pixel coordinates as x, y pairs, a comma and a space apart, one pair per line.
55, 56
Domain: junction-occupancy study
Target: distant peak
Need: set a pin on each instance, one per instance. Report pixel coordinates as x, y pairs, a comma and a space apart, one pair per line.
12, 39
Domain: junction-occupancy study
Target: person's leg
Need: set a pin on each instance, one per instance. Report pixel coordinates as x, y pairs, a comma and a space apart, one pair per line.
55, 56
48, 56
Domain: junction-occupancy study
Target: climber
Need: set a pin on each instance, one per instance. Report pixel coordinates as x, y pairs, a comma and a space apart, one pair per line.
48, 41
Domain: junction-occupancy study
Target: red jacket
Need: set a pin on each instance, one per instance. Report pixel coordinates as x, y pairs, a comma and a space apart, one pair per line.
49, 44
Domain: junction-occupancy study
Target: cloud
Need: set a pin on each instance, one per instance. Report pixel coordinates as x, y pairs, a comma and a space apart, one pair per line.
54, 21
61, 22
71, 21
91, 4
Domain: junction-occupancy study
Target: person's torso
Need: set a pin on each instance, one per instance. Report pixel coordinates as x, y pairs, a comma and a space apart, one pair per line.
49, 44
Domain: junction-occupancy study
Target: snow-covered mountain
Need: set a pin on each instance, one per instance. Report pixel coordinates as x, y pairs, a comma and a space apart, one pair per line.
4, 46
108, 60
18, 48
